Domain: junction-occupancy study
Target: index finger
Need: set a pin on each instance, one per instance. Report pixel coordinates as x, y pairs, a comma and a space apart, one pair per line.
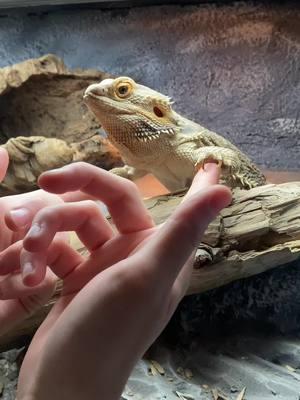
208, 176
167, 251
119, 194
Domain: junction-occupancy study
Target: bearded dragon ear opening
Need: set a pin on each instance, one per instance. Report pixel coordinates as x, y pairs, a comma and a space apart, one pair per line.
158, 112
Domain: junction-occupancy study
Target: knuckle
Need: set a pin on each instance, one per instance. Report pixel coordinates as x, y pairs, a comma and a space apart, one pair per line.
127, 191
90, 204
76, 169
129, 188
57, 245
90, 207
79, 164
46, 215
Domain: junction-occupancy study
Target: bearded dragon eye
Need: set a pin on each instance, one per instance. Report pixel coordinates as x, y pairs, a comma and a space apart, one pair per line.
157, 111
123, 90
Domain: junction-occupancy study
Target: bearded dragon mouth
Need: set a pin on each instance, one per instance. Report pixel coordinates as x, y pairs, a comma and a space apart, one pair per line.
90, 94
148, 136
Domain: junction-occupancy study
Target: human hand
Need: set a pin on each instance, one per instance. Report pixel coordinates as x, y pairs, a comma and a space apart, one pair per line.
18, 301
116, 301
16, 213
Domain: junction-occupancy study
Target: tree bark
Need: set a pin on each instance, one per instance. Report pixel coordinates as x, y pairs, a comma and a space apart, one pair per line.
42, 97
260, 230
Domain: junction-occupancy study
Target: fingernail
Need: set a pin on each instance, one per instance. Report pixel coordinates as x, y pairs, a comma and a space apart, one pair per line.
211, 166
34, 230
20, 216
28, 269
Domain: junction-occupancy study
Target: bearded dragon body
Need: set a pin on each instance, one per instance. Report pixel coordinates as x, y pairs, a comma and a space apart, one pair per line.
153, 138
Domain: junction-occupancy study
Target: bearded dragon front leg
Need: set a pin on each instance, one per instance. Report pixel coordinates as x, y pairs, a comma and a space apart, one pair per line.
224, 157
227, 159
128, 172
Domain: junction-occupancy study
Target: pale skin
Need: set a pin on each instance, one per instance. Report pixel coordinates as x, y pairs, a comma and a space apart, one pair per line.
116, 301
17, 300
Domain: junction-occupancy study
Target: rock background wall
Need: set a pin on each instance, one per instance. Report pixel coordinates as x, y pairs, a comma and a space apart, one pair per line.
235, 68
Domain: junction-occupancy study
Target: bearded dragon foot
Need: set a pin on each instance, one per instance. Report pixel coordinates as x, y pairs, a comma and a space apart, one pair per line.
226, 159
128, 172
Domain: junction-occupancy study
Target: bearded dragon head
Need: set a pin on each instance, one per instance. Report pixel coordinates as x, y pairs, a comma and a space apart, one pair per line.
129, 111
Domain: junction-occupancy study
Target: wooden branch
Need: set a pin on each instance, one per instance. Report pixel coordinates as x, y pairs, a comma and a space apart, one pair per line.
259, 231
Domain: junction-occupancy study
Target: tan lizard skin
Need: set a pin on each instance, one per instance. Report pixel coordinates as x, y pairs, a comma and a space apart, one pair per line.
153, 138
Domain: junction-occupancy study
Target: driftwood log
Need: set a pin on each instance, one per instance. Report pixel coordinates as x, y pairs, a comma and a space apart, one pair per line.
30, 156
259, 231
44, 123
42, 97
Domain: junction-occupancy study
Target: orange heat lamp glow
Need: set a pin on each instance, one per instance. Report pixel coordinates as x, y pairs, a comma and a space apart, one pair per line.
150, 186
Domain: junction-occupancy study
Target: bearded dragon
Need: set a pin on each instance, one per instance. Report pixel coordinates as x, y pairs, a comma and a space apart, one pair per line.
153, 138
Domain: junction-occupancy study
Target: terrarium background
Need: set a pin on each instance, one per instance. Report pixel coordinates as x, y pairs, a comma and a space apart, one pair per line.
235, 69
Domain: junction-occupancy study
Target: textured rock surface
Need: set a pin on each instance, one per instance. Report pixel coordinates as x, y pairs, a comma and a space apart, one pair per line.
235, 69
